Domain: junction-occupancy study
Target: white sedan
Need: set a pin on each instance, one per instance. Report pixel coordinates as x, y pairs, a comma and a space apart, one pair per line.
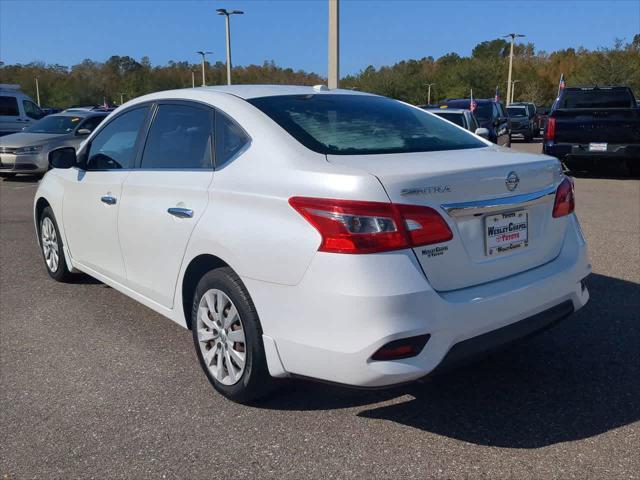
327, 234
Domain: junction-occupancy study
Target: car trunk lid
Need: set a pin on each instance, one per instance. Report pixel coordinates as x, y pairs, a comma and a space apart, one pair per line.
469, 189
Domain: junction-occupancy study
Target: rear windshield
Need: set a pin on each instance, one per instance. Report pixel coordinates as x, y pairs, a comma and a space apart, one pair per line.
457, 118
596, 99
517, 111
55, 124
362, 125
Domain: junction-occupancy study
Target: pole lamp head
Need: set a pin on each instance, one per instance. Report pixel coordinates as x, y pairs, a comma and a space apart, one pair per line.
224, 11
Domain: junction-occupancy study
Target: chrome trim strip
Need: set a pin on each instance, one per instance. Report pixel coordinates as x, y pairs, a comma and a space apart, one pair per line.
481, 207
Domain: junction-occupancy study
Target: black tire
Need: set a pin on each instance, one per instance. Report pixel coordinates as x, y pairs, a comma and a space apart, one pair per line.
255, 381
61, 272
7, 175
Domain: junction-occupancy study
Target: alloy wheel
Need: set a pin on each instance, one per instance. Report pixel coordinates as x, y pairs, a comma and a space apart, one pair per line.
221, 337
50, 246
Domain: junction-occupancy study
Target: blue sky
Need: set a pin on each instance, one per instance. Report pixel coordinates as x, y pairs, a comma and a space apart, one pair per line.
293, 33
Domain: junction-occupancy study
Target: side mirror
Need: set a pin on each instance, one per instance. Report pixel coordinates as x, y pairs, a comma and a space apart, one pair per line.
482, 132
83, 131
64, 157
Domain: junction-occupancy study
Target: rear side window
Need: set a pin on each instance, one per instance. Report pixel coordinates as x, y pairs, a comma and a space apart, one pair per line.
230, 139
362, 125
599, 98
9, 106
114, 146
92, 122
179, 138
457, 118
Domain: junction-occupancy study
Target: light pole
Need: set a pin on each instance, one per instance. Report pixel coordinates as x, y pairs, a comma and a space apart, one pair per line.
193, 79
513, 89
227, 14
122, 97
429, 92
513, 37
200, 52
333, 70
37, 91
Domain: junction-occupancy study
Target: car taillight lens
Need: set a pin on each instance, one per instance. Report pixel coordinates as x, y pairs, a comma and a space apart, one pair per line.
565, 200
349, 226
550, 131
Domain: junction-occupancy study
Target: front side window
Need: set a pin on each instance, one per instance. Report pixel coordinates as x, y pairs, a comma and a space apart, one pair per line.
362, 125
9, 107
32, 110
114, 147
180, 138
230, 139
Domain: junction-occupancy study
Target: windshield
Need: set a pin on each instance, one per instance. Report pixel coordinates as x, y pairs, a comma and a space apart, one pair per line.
361, 125
517, 111
457, 118
55, 124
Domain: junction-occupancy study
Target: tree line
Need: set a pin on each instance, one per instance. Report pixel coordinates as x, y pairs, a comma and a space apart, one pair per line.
538, 72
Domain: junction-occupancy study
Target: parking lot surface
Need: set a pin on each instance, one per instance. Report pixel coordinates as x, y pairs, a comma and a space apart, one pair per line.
94, 385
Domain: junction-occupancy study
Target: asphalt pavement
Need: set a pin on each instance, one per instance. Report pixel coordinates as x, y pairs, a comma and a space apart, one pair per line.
94, 385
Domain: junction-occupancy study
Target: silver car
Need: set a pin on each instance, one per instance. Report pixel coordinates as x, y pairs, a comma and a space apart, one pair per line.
27, 151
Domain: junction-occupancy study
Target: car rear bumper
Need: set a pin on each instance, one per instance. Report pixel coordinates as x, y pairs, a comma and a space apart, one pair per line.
348, 306
566, 151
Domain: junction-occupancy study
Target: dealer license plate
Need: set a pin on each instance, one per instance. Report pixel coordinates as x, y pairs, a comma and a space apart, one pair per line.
506, 232
597, 147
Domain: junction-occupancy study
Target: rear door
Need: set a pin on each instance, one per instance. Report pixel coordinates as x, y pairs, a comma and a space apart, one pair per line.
164, 198
502, 124
475, 190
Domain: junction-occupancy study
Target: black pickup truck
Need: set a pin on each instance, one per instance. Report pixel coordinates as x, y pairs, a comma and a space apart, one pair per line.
594, 124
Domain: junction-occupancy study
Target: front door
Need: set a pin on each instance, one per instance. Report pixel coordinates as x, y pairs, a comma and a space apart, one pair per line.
93, 194
163, 199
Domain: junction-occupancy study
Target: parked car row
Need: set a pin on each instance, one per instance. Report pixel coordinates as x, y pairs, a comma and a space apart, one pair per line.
27, 151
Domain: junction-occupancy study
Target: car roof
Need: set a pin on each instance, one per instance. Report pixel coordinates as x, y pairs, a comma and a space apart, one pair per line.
448, 110
255, 91
79, 113
467, 100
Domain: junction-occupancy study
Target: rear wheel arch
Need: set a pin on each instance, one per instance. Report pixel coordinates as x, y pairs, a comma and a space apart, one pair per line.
196, 269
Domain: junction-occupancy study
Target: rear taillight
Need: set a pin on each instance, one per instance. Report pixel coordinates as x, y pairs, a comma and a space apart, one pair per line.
550, 131
348, 226
565, 200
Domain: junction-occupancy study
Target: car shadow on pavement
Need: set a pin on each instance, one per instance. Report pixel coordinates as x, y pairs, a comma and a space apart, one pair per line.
22, 179
577, 380
610, 172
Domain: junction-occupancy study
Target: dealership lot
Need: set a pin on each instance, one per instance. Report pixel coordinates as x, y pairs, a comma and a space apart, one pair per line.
95, 385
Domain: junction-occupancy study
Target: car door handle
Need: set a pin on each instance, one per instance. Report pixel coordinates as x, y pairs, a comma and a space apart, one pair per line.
108, 199
180, 212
